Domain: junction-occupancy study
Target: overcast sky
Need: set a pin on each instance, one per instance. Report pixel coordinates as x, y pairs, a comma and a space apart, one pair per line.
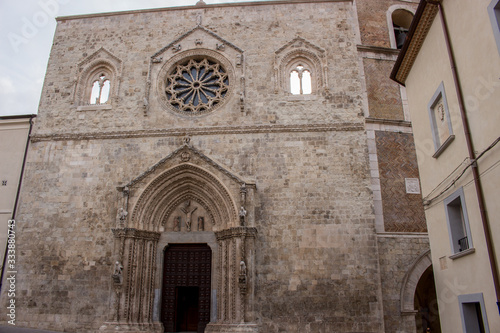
26, 31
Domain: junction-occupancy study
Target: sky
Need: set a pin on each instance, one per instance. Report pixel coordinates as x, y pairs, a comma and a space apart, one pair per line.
26, 31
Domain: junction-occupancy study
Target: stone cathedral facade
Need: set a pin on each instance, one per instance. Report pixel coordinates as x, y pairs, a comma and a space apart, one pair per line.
244, 167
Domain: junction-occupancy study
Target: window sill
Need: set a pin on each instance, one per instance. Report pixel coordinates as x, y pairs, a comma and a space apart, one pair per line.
443, 146
308, 97
94, 107
463, 253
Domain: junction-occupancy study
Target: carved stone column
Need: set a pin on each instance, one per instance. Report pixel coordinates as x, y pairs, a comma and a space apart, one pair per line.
235, 281
133, 282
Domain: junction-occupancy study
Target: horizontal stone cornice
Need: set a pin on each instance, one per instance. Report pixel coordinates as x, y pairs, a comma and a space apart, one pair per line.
377, 49
207, 6
403, 123
197, 131
136, 233
236, 232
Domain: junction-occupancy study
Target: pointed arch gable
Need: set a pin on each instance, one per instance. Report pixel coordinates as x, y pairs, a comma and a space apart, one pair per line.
300, 52
180, 183
101, 62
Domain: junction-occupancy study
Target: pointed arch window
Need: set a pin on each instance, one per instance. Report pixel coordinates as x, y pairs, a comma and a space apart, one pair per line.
97, 87
97, 81
301, 76
100, 90
300, 70
300, 80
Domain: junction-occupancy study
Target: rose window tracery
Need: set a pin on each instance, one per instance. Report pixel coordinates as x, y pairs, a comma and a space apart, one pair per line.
197, 85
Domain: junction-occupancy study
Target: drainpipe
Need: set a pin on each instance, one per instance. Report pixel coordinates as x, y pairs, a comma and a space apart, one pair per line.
17, 196
472, 155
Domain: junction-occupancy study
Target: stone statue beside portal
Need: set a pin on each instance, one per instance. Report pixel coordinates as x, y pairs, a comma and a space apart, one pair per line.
243, 214
243, 268
117, 273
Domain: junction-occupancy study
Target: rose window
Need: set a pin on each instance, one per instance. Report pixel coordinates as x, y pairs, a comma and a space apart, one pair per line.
196, 86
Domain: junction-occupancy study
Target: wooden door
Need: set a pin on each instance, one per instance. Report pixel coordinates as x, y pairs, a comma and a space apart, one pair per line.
186, 288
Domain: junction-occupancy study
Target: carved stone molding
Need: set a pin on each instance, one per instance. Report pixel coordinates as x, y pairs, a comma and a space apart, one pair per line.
236, 275
225, 130
181, 183
114, 327
232, 328
181, 152
236, 232
136, 233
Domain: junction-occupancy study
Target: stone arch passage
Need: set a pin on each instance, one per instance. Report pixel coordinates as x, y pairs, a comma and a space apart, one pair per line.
426, 303
418, 290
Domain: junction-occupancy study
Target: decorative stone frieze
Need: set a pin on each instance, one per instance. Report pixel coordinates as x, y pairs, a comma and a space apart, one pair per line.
332, 127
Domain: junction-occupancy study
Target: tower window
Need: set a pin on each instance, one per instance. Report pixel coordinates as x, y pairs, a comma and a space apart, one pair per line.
100, 90
401, 21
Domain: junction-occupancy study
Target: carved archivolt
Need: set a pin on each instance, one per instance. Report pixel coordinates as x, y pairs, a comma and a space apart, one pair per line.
177, 185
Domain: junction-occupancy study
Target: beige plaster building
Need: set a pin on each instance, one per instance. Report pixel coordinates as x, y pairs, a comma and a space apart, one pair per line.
244, 167
450, 65
14, 131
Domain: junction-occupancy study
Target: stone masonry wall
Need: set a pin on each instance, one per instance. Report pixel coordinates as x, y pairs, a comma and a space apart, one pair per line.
397, 254
259, 30
310, 244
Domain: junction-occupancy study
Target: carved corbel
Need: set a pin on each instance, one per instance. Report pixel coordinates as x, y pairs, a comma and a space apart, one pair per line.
176, 48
